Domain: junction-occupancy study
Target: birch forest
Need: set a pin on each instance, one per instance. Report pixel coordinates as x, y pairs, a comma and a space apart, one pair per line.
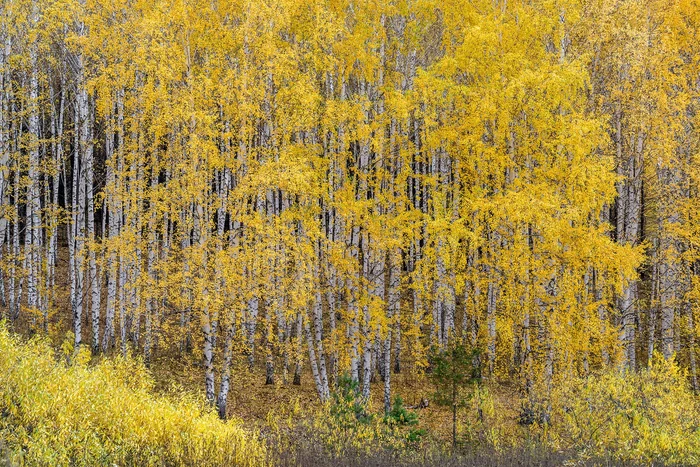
299, 232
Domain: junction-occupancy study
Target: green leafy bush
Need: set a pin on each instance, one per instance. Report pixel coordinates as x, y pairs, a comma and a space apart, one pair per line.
455, 372
400, 417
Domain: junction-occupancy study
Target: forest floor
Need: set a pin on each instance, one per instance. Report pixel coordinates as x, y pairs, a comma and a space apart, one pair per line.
254, 402
250, 399
259, 406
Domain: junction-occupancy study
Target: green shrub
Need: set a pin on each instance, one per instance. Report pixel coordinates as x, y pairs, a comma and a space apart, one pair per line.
399, 417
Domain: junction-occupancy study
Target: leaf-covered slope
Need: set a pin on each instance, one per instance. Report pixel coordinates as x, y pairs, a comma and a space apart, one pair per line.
78, 414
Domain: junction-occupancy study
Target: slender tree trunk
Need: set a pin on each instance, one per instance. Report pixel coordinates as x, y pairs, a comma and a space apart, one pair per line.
299, 342
33, 205
269, 342
691, 348
318, 362
95, 281
491, 324
222, 399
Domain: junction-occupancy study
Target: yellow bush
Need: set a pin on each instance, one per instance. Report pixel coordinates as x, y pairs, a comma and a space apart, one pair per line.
57, 414
647, 416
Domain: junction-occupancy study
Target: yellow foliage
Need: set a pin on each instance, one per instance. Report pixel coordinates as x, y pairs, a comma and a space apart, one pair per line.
645, 417
57, 414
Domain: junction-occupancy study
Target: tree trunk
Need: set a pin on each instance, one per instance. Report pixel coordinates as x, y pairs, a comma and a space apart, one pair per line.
222, 400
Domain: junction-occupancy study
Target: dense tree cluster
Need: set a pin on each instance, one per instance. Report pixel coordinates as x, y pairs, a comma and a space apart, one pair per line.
343, 185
